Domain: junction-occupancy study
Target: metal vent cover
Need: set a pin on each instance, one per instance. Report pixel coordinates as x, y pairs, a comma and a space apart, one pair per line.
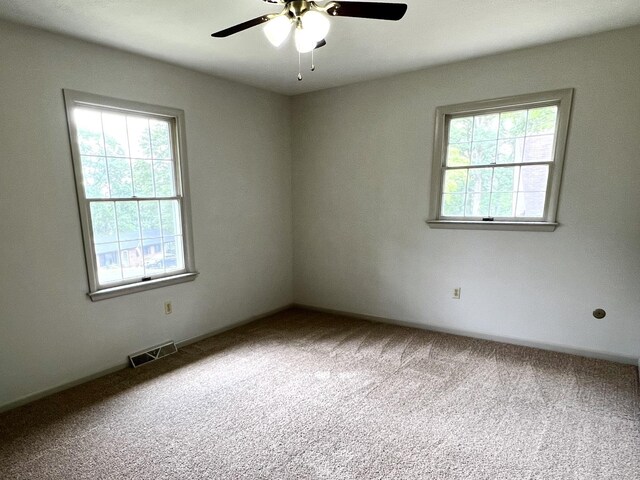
152, 354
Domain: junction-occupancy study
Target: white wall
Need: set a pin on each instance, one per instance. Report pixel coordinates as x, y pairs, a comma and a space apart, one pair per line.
361, 175
240, 177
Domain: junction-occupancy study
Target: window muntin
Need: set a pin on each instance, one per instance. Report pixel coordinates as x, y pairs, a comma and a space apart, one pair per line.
500, 160
130, 161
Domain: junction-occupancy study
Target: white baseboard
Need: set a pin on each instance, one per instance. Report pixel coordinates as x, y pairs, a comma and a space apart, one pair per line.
32, 397
495, 338
120, 366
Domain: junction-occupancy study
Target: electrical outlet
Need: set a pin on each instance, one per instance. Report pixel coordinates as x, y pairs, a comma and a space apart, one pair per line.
168, 308
456, 293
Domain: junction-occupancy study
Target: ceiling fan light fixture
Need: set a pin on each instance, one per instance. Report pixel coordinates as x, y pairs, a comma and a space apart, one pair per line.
311, 21
277, 30
316, 24
305, 42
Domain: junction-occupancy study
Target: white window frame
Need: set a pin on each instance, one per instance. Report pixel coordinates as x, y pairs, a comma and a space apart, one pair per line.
176, 119
562, 99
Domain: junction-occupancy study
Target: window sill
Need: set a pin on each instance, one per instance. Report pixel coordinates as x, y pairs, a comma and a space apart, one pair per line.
112, 292
494, 225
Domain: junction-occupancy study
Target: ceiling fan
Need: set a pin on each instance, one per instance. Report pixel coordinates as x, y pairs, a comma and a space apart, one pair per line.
311, 21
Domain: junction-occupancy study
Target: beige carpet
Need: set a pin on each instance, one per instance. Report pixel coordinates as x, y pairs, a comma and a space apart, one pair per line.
309, 395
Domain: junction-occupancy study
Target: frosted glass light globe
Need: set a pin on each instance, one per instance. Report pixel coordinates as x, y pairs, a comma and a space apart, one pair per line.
316, 24
277, 30
304, 41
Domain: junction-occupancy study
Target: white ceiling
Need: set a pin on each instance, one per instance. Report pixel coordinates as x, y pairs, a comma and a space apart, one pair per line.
432, 32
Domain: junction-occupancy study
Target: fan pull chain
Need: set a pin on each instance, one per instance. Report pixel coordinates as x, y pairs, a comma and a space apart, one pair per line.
313, 66
299, 69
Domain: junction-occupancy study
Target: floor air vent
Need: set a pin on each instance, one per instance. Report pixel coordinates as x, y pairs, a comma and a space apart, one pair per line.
146, 356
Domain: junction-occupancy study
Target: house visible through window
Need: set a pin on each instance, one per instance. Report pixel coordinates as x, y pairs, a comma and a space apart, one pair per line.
499, 162
130, 167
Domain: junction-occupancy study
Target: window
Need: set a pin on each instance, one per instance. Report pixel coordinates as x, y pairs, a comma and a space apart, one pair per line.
131, 179
498, 163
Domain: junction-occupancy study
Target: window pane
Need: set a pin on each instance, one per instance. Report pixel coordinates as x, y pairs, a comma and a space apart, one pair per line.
171, 221
477, 204
128, 221
534, 178
542, 120
503, 204
459, 155
460, 129
153, 251
530, 204
455, 181
108, 262
513, 124
505, 179
115, 134
132, 259
173, 253
163, 176
96, 179
89, 126
453, 204
150, 219
103, 220
483, 153
510, 151
142, 178
485, 127
139, 141
120, 177
160, 139
480, 180
539, 149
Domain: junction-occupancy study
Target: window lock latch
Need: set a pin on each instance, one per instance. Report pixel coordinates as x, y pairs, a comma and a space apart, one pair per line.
487, 219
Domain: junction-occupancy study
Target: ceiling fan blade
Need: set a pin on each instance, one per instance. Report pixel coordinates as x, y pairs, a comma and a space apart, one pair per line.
321, 43
378, 11
242, 26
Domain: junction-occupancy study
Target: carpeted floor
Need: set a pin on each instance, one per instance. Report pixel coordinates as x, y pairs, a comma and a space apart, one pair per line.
315, 396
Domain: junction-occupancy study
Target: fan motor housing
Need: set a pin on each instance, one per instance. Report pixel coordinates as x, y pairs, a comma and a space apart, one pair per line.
298, 7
